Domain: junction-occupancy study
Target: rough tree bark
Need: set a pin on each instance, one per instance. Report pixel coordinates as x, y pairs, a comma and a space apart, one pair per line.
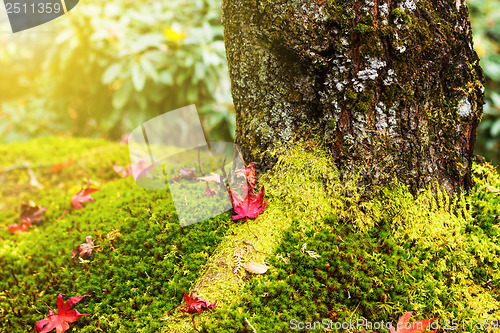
394, 86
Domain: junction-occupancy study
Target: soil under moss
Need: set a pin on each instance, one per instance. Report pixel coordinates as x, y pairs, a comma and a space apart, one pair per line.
380, 255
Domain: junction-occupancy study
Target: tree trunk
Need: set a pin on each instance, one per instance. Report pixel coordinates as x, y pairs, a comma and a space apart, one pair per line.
392, 86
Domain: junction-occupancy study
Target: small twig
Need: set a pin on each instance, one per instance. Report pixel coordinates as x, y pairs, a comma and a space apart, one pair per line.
64, 213
175, 293
239, 153
33, 180
15, 278
199, 164
23, 166
224, 175
194, 325
253, 328
250, 244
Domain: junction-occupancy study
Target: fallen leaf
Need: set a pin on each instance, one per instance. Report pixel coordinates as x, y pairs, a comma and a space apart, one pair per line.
59, 166
84, 249
212, 178
60, 320
83, 196
194, 304
404, 326
122, 171
251, 205
255, 267
142, 167
31, 213
18, 227
313, 254
210, 192
249, 172
185, 173
491, 189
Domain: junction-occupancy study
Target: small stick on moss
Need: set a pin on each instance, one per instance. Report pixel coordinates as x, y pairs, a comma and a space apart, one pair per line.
64, 213
194, 325
253, 328
175, 293
15, 278
250, 244
199, 164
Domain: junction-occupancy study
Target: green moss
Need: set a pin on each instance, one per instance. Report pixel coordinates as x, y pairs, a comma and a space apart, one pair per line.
332, 124
364, 102
363, 29
380, 255
398, 13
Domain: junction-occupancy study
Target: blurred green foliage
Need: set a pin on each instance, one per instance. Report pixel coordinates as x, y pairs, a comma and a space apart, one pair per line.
485, 18
109, 66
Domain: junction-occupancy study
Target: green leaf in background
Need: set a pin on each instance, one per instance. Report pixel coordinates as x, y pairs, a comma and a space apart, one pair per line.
121, 96
149, 69
138, 77
111, 73
495, 128
485, 19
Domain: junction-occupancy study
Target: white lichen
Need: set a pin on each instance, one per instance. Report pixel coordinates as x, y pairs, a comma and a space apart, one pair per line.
371, 73
408, 4
464, 108
391, 77
358, 86
383, 9
401, 48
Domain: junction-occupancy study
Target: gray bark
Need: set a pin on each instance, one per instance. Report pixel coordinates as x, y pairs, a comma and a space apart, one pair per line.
394, 87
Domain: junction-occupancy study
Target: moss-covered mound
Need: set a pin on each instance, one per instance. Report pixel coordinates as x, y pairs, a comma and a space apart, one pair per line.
336, 254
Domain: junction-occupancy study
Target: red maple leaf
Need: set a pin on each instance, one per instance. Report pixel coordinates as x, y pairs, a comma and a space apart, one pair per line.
18, 227
404, 325
251, 205
84, 249
29, 214
194, 304
83, 196
59, 166
60, 320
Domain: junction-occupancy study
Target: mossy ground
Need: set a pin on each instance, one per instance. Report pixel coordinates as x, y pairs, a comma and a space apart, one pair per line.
380, 255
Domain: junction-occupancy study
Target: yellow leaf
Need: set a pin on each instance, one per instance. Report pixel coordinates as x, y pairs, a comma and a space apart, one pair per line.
173, 35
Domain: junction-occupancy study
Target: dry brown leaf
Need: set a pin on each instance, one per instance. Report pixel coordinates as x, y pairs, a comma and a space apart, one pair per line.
491, 189
255, 267
313, 254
